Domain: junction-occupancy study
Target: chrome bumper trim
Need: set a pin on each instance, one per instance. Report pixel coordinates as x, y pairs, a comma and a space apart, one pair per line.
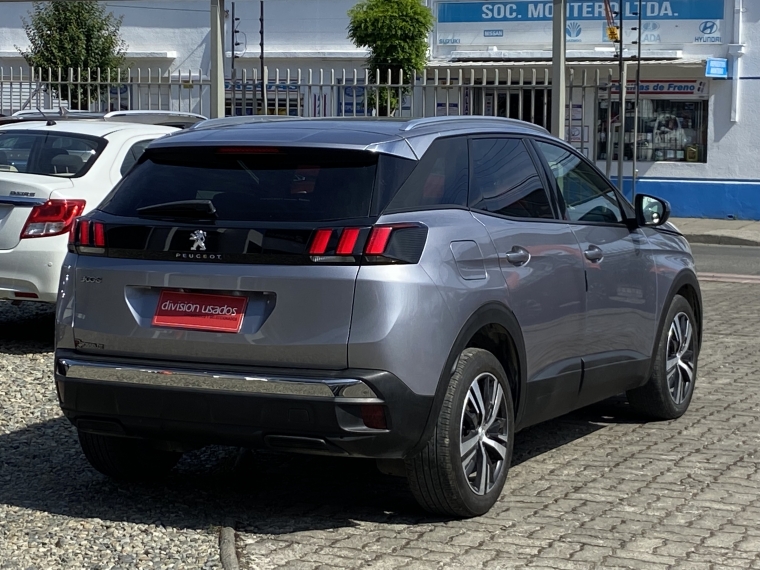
344, 389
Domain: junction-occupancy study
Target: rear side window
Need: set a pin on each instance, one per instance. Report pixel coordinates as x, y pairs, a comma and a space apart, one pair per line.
53, 154
440, 178
133, 154
253, 184
505, 180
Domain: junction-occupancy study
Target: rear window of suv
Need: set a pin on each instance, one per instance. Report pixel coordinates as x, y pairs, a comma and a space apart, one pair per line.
262, 184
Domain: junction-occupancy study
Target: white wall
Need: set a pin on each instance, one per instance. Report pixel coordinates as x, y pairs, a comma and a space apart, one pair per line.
174, 34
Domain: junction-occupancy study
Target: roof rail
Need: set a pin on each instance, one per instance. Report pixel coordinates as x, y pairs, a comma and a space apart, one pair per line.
429, 121
243, 120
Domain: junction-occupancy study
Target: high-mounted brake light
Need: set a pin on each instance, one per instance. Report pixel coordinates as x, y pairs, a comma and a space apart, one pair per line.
52, 218
247, 150
320, 241
378, 240
347, 241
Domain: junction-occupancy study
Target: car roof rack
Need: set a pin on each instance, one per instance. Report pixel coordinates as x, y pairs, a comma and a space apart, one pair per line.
502, 121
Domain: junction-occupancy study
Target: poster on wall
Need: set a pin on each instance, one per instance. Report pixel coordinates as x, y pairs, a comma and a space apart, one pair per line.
528, 23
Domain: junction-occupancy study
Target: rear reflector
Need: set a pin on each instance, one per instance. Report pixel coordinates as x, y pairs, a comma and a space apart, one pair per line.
378, 240
373, 416
26, 295
347, 241
320, 241
52, 218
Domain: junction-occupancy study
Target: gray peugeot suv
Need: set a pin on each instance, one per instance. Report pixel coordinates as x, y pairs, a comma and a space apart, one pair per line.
411, 291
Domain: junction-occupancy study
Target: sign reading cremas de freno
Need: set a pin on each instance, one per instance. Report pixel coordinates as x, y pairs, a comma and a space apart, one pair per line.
528, 23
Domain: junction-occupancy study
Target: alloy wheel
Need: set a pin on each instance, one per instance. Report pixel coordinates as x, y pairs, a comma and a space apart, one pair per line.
680, 358
484, 433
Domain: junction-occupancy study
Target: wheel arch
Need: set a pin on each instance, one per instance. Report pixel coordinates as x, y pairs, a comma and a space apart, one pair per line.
685, 284
495, 328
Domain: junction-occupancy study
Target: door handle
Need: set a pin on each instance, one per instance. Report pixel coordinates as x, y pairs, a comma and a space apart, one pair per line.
594, 254
517, 256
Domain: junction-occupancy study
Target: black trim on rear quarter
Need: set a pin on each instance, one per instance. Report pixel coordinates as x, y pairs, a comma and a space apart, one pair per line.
491, 313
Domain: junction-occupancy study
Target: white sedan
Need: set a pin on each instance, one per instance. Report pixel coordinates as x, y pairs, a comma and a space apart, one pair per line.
50, 173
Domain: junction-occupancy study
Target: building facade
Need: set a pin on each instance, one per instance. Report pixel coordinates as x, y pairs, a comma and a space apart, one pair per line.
693, 136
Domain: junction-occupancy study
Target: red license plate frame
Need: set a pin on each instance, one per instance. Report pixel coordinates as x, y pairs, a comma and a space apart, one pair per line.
200, 311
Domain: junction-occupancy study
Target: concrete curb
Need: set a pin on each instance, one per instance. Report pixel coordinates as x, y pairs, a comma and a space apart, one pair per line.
720, 240
227, 552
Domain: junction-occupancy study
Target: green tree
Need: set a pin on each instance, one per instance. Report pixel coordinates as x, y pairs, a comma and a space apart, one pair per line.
65, 35
396, 34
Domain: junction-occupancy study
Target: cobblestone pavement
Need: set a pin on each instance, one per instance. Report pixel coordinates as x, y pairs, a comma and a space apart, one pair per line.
594, 489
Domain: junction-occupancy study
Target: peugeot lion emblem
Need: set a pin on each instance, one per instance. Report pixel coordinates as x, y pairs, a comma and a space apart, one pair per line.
199, 240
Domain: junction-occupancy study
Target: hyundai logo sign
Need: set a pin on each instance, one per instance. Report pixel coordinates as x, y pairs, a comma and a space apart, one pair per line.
650, 26
708, 28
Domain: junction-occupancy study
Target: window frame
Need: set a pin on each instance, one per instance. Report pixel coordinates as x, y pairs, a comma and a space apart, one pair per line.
626, 209
537, 163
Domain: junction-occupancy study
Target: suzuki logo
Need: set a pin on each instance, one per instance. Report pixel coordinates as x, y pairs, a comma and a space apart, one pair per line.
708, 28
199, 240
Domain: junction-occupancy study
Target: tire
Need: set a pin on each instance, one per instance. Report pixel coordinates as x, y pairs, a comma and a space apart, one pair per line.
437, 475
668, 393
127, 459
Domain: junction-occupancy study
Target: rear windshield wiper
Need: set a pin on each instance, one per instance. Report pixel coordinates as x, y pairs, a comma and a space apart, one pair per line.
194, 209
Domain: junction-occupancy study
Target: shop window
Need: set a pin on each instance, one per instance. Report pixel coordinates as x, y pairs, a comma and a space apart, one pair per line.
670, 131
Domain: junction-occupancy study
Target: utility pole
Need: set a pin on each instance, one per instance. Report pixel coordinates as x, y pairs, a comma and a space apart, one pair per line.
216, 65
261, 62
623, 90
559, 57
233, 45
636, 110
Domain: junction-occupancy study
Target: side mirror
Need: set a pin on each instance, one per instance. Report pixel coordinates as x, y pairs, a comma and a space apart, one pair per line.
651, 211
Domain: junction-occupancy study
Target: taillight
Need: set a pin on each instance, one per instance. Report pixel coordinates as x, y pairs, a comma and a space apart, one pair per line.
378, 240
52, 218
320, 241
392, 243
347, 242
88, 237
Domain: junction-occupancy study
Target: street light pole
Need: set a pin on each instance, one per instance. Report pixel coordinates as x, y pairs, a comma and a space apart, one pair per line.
636, 111
559, 91
216, 65
623, 92
261, 62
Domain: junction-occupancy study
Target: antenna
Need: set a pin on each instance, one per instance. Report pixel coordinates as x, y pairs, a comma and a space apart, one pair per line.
50, 122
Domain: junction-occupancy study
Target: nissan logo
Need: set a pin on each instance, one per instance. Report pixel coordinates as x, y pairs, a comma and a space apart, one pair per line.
708, 28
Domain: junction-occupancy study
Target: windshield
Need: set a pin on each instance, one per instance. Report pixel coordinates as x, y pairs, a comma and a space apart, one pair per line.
274, 184
52, 154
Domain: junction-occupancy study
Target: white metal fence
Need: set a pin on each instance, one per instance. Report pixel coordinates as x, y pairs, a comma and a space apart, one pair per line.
515, 91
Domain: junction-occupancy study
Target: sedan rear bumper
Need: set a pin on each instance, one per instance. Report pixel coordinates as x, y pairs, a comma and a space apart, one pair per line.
294, 410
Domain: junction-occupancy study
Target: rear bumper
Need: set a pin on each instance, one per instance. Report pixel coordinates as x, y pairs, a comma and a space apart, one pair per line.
33, 267
294, 410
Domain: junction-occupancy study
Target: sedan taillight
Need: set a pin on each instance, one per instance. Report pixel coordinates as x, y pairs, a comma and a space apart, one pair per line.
52, 218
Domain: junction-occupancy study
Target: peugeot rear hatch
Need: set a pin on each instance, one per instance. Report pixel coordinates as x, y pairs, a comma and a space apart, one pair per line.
230, 255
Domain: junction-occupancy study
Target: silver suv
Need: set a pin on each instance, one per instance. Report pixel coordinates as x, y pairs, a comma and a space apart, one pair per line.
410, 291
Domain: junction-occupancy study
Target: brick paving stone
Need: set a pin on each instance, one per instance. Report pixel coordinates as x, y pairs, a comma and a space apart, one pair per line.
598, 488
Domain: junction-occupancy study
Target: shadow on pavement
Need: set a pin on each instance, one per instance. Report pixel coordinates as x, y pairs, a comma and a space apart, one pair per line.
27, 328
42, 468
